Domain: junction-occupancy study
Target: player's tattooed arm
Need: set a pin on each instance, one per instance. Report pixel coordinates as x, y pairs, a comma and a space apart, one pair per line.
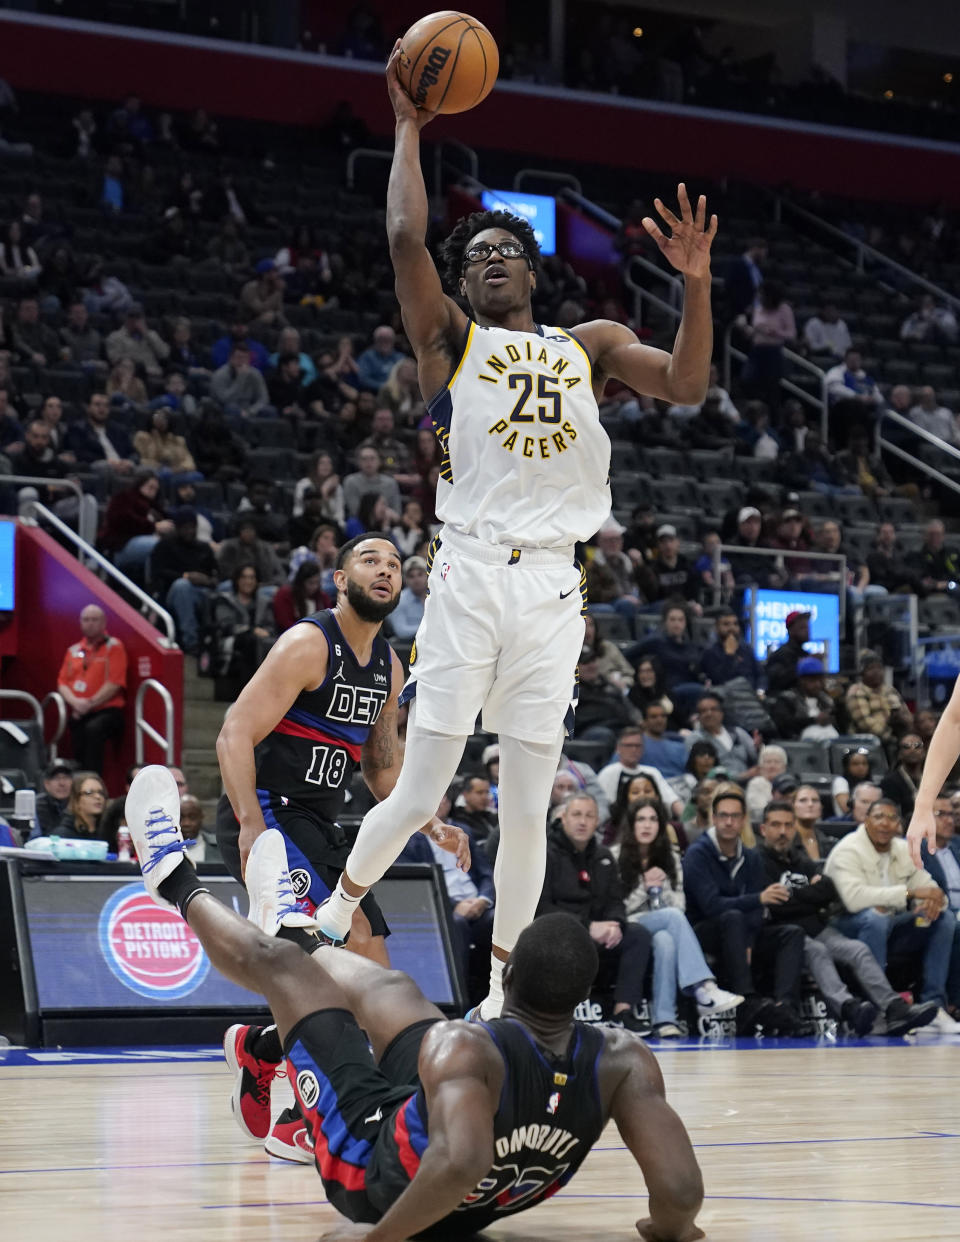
382, 756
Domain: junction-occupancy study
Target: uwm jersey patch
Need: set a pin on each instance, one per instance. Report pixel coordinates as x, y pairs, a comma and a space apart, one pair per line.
312, 752
526, 460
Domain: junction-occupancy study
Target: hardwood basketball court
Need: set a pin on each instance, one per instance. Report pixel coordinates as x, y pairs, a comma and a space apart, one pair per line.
797, 1141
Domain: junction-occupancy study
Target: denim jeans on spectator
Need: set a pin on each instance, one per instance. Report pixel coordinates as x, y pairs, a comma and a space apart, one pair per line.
185, 600
884, 934
678, 960
135, 553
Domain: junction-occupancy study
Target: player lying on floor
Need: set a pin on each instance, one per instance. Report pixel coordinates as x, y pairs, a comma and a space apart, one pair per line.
446, 1126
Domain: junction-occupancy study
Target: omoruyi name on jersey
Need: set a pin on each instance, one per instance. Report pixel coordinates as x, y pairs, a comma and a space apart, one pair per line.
546, 1138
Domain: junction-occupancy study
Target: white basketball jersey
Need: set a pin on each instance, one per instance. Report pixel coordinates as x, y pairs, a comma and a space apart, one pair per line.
526, 460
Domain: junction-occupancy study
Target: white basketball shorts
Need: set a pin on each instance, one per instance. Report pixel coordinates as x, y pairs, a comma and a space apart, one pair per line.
502, 633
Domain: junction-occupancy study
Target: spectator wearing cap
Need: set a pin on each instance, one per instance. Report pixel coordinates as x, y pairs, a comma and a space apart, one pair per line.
792, 536
262, 297
611, 580
805, 711
873, 706
670, 574
238, 386
729, 656
406, 617
52, 803
752, 567
781, 666
375, 364
92, 681
182, 570
136, 341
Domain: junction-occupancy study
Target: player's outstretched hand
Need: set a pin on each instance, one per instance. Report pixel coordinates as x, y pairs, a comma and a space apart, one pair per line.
922, 828
454, 840
688, 246
403, 106
650, 1233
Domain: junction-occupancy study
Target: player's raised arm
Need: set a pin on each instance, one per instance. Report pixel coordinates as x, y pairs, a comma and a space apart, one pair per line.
682, 376
659, 1143
461, 1104
430, 318
942, 754
296, 662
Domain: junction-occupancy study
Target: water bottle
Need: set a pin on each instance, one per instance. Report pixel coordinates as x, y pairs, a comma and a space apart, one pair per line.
24, 817
653, 896
124, 845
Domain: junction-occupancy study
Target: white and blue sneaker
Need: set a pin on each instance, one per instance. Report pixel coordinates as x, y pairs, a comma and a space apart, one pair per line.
273, 903
152, 812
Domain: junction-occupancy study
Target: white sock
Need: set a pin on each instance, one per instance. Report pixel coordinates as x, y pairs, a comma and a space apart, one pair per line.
335, 915
492, 1003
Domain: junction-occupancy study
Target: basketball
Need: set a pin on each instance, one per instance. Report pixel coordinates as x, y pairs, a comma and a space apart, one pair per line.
448, 62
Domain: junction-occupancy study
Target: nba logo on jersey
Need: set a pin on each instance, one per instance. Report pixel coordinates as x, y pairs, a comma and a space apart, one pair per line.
553, 1103
444, 570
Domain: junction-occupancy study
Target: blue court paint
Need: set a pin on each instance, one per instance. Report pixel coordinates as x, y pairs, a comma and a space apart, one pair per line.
17, 1056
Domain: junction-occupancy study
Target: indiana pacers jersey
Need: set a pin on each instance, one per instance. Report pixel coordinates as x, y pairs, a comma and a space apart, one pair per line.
525, 460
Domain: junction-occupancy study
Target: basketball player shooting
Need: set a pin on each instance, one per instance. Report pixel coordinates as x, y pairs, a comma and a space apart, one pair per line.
524, 476
433, 1122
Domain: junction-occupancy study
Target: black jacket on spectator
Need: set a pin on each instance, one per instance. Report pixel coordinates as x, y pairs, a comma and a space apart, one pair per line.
600, 703
679, 657
50, 811
791, 715
898, 786
173, 557
720, 668
781, 666
891, 571
714, 883
810, 905
82, 440
584, 883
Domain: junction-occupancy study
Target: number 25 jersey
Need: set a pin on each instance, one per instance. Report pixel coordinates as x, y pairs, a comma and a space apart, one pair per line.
525, 459
313, 750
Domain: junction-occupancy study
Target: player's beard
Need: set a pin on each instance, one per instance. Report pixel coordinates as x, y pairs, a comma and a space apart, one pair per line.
368, 609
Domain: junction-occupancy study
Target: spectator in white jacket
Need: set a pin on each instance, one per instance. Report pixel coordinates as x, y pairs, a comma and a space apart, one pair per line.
892, 905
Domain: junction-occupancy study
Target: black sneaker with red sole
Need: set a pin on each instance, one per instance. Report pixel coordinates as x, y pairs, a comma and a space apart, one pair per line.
290, 1139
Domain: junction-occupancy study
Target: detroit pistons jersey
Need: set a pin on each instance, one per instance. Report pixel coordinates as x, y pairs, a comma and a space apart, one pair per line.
314, 749
525, 459
548, 1118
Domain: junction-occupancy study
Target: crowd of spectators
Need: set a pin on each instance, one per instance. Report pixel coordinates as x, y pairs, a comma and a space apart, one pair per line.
233, 455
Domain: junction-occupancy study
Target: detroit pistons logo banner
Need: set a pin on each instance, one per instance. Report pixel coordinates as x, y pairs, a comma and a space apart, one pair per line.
150, 950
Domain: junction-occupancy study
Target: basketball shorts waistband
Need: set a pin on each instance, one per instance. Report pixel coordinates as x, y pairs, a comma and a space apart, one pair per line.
502, 553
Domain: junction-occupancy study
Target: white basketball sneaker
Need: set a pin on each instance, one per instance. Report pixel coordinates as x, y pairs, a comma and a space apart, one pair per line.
273, 903
152, 812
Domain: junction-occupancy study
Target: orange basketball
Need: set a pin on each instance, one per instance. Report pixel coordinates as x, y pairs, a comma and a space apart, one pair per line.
448, 62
